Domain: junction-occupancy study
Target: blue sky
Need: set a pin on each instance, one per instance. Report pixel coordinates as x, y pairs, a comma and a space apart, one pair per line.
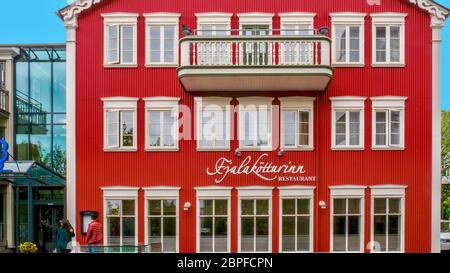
38, 23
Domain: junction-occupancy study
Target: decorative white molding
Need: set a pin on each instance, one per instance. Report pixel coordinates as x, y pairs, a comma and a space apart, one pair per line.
70, 13
437, 13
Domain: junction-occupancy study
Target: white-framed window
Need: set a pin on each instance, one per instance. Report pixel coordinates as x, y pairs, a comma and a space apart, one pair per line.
120, 39
120, 124
255, 219
161, 123
161, 222
388, 123
213, 123
388, 34
347, 34
297, 24
297, 118
388, 218
255, 123
347, 219
296, 218
120, 210
347, 123
214, 24
2, 74
213, 219
162, 34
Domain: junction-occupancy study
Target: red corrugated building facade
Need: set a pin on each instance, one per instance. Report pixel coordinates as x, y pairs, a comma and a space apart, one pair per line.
255, 126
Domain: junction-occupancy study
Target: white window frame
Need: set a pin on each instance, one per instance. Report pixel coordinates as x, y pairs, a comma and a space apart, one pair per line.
347, 104
255, 193
255, 18
162, 104
120, 19
120, 193
298, 104
213, 193
388, 104
297, 192
119, 104
213, 18
255, 104
388, 191
297, 18
347, 19
347, 192
213, 104
162, 19
162, 193
388, 19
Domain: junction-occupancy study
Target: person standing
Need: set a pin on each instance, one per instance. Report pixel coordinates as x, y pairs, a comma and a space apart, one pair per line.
94, 234
64, 234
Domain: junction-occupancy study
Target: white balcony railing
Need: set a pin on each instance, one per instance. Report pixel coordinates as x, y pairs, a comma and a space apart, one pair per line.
254, 51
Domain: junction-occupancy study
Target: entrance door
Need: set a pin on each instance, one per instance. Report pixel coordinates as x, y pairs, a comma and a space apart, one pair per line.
258, 52
46, 223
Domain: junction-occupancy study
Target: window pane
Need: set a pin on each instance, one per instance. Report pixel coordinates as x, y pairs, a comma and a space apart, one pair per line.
340, 42
127, 44
354, 128
128, 207
154, 128
262, 233
380, 231
127, 128
248, 129
289, 128
263, 128
221, 207
288, 235
354, 235
262, 207
339, 233
154, 207
303, 233
206, 207
394, 233
206, 239
380, 205
169, 129
247, 207
169, 238
113, 207
155, 44
112, 120
247, 234
169, 44
394, 205
113, 236
169, 207
288, 206
354, 206
155, 234
221, 233
339, 206
340, 117
303, 206
128, 224
112, 43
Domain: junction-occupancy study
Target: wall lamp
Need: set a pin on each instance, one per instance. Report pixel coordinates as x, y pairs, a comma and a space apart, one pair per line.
280, 152
238, 152
322, 204
187, 206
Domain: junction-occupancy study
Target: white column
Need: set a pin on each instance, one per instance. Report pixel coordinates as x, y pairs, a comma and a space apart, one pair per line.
71, 125
436, 141
10, 216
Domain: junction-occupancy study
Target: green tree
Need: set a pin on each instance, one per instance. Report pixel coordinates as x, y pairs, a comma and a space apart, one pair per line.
445, 163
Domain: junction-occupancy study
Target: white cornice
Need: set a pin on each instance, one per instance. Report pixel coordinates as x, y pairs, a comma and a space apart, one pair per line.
70, 13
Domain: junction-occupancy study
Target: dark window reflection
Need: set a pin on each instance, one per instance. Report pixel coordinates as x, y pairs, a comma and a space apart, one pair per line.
40, 107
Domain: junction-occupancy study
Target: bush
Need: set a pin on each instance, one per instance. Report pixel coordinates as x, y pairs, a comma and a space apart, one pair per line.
28, 247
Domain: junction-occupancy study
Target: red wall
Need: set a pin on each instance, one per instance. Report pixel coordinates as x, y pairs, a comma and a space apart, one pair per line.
187, 168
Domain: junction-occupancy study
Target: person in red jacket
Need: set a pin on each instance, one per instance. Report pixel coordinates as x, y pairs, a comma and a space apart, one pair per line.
94, 233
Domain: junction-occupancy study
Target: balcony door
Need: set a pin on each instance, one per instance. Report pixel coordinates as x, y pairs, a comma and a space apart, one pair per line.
256, 52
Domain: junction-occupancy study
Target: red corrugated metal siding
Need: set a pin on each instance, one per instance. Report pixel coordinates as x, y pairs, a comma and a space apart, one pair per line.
186, 168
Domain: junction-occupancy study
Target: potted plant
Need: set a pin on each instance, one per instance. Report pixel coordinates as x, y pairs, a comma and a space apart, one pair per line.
28, 247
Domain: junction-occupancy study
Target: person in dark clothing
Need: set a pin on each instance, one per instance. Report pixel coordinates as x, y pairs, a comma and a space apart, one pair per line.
64, 235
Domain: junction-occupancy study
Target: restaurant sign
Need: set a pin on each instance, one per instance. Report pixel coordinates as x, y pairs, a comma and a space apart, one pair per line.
260, 167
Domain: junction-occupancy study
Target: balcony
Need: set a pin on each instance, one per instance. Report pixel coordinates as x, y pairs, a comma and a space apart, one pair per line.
255, 63
4, 102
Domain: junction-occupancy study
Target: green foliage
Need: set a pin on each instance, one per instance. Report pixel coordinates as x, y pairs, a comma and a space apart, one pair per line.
445, 163
446, 208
